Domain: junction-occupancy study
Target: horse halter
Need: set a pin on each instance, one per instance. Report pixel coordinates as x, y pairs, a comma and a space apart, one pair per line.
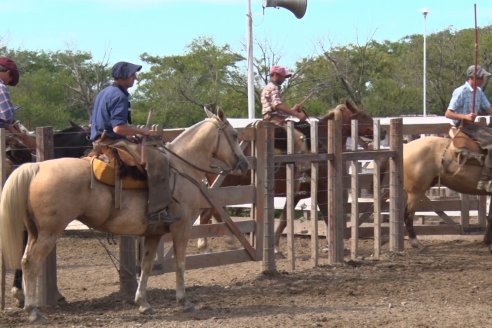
220, 127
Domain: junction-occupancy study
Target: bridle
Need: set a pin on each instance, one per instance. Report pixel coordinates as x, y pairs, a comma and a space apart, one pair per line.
221, 126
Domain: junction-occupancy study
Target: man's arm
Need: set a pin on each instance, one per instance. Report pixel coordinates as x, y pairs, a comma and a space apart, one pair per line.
128, 130
295, 111
460, 117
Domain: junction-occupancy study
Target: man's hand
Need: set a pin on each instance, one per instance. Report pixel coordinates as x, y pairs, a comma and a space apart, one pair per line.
470, 117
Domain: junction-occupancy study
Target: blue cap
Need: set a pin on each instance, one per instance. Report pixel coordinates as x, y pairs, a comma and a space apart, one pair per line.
123, 70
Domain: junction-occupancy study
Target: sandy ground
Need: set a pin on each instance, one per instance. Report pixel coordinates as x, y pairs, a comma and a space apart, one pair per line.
446, 285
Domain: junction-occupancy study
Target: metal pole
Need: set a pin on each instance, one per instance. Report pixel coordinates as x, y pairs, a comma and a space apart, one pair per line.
249, 49
425, 11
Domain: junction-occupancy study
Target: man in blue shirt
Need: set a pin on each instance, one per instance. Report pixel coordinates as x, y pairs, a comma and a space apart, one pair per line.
460, 106
460, 110
110, 124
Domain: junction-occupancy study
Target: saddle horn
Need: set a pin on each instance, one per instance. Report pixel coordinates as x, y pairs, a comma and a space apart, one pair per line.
297, 7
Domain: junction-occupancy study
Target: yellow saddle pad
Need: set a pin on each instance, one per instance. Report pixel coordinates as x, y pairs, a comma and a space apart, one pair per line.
106, 173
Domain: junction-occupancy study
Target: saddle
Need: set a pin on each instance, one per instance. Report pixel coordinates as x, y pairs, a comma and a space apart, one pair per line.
116, 166
465, 146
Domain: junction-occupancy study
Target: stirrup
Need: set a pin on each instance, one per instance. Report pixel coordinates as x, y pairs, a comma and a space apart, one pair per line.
162, 216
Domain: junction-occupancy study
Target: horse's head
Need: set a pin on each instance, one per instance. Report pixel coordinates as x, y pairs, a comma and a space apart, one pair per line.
72, 141
348, 112
17, 153
227, 150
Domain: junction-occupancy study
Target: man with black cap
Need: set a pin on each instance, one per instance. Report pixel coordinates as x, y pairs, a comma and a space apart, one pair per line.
9, 75
461, 111
110, 125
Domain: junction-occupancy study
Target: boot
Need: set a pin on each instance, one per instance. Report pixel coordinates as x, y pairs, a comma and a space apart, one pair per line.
485, 185
485, 182
163, 216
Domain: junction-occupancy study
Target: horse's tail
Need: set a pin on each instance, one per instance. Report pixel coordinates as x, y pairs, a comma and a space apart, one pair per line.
14, 204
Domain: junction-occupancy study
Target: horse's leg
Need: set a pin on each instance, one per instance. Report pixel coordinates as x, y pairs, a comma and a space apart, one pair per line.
412, 200
180, 241
34, 256
282, 223
205, 217
16, 291
150, 249
487, 238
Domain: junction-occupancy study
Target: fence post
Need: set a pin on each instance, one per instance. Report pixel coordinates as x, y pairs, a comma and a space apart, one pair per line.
289, 201
47, 281
354, 188
128, 266
336, 222
314, 194
396, 186
269, 210
377, 191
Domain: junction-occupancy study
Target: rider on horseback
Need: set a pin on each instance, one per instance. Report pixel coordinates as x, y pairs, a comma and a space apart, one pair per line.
110, 126
9, 75
460, 110
274, 110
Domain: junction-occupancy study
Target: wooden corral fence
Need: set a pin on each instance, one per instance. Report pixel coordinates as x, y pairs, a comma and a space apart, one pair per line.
337, 158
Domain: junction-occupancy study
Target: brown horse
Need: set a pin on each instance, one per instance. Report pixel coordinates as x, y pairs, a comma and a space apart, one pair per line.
45, 197
430, 161
346, 113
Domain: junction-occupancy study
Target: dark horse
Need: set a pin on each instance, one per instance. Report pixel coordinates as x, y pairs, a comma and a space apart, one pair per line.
70, 142
346, 113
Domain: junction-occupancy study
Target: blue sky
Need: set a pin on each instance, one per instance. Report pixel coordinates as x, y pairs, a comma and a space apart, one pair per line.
117, 30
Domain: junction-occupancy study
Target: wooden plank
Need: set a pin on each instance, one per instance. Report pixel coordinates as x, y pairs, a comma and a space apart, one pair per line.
368, 155
309, 157
206, 260
217, 230
234, 195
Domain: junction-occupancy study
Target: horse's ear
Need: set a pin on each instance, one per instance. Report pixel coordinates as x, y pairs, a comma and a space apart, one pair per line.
350, 106
220, 113
330, 115
73, 124
208, 112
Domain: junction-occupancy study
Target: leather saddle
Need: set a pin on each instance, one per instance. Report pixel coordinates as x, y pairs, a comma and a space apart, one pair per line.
465, 146
116, 166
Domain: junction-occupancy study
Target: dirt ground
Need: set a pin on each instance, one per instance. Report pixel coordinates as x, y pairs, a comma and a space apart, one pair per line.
446, 285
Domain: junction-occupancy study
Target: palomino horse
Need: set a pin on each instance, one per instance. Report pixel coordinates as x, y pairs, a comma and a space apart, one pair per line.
45, 197
345, 112
430, 161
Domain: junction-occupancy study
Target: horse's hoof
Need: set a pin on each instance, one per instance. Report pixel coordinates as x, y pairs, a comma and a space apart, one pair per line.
146, 310
36, 317
279, 255
416, 244
18, 295
188, 307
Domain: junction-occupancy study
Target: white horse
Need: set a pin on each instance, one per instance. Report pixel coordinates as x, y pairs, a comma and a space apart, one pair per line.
45, 197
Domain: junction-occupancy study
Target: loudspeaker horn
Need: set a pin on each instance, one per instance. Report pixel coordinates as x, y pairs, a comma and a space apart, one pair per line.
297, 7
